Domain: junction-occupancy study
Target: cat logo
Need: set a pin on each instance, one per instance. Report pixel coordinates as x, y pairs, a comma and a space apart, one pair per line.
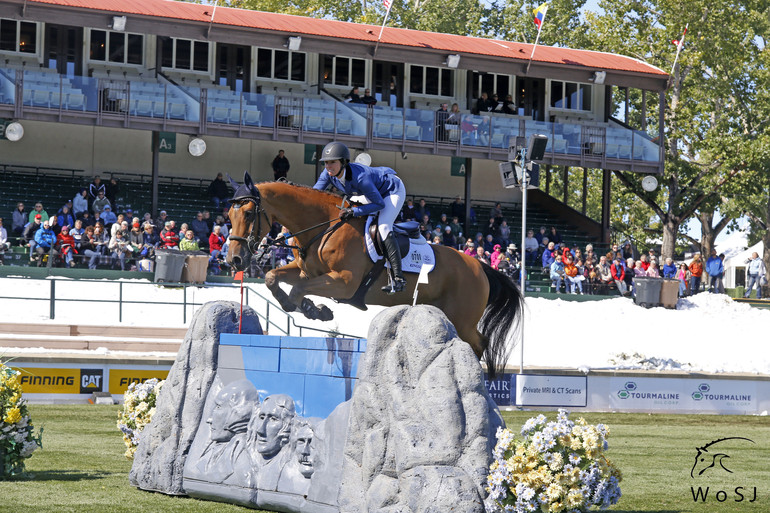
91, 380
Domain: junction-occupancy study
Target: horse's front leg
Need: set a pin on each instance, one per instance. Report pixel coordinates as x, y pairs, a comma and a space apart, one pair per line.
332, 285
290, 274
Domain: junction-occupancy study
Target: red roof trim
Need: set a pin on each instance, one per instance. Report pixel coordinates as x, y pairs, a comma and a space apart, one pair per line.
360, 32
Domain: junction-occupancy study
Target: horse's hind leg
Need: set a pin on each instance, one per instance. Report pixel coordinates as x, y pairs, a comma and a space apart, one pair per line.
333, 284
290, 274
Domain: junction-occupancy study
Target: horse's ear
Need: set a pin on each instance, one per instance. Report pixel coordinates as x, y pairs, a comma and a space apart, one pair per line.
233, 183
249, 183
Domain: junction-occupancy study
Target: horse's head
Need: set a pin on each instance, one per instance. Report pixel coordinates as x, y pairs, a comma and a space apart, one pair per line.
248, 223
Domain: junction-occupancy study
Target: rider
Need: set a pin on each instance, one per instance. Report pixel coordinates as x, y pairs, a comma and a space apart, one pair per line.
383, 190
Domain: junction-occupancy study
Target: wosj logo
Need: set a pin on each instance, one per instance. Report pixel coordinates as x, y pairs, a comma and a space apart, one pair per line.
711, 460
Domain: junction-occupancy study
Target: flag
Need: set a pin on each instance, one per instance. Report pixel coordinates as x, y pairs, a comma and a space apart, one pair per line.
387, 3
424, 270
540, 15
679, 42
238, 276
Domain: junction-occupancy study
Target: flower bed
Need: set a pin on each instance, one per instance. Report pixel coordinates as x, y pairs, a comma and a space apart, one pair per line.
138, 409
557, 466
17, 438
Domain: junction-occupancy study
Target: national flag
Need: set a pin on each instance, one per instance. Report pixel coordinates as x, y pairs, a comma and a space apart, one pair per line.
540, 15
679, 42
387, 3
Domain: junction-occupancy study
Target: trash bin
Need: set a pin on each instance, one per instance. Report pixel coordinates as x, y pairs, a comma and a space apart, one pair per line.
669, 293
647, 291
195, 267
168, 265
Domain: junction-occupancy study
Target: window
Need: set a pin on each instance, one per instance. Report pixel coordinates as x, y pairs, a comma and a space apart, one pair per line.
432, 81
18, 36
280, 64
344, 71
117, 47
185, 54
570, 95
491, 83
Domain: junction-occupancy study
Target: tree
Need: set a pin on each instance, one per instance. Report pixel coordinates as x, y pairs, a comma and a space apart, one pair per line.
707, 104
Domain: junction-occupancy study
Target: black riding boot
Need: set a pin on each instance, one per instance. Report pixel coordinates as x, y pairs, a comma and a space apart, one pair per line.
394, 257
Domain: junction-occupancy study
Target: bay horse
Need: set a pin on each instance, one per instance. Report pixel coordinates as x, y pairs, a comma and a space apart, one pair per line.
330, 260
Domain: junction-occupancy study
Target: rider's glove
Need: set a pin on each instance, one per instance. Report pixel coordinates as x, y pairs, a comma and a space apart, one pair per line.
346, 213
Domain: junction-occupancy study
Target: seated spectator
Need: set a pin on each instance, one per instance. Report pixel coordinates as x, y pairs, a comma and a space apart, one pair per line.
436, 240
457, 229
182, 230
555, 237
565, 252
4, 245
504, 233
496, 256
639, 270
497, 213
669, 270
455, 116
457, 209
590, 256
161, 221
592, 279
108, 216
88, 247
100, 202
481, 255
120, 249
618, 270
218, 192
150, 241
409, 211
509, 107
223, 228
540, 236
45, 242
367, 98
604, 274
470, 248
29, 233
489, 244
209, 222
77, 233
80, 203
573, 276
168, 237
189, 243
422, 210
54, 225
67, 246
38, 210
448, 238
111, 190
549, 256
511, 261
653, 270
20, 220
479, 239
353, 96
216, 241
484, 104
492, 228
628, 251
87, 219
136, 239
442, 223
630, 273
426, 228
119, 224
557, 273
200, 229
644, 262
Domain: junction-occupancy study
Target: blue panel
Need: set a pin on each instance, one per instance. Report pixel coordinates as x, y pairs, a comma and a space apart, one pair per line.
261, 358
294, 360
233, 339
306, 342
269, 383
265, 340
323, 394
362, 345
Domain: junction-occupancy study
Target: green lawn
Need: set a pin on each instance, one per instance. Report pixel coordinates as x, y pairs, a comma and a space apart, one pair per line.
82, 468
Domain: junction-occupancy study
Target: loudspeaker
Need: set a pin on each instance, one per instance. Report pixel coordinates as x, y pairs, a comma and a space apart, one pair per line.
536, 147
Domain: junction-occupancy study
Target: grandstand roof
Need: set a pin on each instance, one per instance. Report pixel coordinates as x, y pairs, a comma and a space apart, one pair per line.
299, 25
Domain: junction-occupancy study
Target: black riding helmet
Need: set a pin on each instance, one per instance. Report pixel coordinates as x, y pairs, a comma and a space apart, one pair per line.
335, 151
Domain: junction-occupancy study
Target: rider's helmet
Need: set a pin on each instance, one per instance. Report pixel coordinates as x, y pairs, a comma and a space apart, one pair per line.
335, 151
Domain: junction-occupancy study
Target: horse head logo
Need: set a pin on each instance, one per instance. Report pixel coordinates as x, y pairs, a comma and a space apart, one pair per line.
708, 456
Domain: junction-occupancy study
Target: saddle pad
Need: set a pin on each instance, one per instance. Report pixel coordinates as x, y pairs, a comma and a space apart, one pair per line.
419, 253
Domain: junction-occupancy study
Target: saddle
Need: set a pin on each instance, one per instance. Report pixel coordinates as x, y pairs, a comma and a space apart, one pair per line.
403, 232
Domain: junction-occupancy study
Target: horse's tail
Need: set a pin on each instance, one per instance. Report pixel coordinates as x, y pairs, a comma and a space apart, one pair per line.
503, 308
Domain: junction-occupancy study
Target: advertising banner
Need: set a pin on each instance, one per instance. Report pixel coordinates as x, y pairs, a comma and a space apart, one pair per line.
550, 390
121, 378
683, 395
499, 389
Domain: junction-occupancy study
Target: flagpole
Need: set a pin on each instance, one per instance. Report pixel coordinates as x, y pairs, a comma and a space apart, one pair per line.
387, 13
537, 38
679, 48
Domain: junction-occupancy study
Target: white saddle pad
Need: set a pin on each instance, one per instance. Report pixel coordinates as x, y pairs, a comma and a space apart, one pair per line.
420, 253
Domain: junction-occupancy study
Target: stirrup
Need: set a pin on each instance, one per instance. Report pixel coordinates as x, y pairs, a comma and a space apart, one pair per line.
394, 285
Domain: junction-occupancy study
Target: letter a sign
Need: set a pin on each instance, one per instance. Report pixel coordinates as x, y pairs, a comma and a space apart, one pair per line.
167, 142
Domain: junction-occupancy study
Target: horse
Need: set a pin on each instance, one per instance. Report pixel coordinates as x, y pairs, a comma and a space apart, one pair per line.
331, 261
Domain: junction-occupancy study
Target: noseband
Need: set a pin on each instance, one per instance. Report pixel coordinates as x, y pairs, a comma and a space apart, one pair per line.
252, 241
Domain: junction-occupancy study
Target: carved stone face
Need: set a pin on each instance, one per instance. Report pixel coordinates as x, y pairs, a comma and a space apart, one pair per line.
272, 425
305, 451
232, 410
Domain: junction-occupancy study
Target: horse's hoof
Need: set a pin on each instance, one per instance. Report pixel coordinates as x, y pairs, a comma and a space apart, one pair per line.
325, 314
309, 309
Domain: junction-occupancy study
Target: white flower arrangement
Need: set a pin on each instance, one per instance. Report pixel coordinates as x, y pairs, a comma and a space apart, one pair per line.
17, 440
557, 467
138, 409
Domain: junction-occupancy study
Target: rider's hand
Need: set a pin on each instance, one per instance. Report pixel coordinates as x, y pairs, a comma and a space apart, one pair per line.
346, 213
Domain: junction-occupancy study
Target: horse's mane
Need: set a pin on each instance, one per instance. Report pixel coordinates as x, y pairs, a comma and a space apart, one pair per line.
325, 196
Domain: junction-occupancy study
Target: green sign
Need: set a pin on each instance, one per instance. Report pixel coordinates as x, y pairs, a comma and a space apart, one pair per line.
167, 142
458, 166
310, 156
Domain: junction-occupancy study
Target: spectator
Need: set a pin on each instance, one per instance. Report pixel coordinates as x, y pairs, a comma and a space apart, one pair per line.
88, 247
715, 270
555, 237
513, 259
457, 209
756, 272
169, 239
669, 270
67, 246
721, 286
80, 202
209, 222
216, 241
100, 203
161, 221
65, 218
111, 190
644, 261
426, 228
496, 256
639, 270
653, 271
509, 107
150, 241
497, 213
108, 216
120, 248
484, 104
628, 251
182, 230
20, 219
189, 243
618, 271
280, 166
442, 223
54, 225
683, 275
101, 241
93, 191
469, 248
457, 229
367, 98
492, 228
200, 228
591, 277
540, 236
442, 115
557, 273
422, 210
479, 239
353, 96
455, 117
505, 233
590, 256
630, 273
489, 244
38, 210
408, 213
218, 192
87, 219
448, 239
574, 277
481, 255
696, 272
136, 239
531, 247
224, 229
436, 240
29, 233
604, 274
4, 245
77, 233
146, 219
548, 255
45, 242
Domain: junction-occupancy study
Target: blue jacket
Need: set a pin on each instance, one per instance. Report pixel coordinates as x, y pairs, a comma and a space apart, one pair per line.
548, 258
714, 266
557, 269
372, 182
45, 238
669, 271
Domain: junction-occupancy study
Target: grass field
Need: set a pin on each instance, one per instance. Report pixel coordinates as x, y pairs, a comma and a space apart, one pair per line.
82, 468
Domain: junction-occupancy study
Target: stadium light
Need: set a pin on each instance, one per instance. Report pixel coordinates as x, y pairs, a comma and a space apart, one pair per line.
119, 23
453, 61
294, 43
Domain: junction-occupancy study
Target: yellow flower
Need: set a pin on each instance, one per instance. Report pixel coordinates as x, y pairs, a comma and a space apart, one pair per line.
574, 498
13, 416
556, 507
